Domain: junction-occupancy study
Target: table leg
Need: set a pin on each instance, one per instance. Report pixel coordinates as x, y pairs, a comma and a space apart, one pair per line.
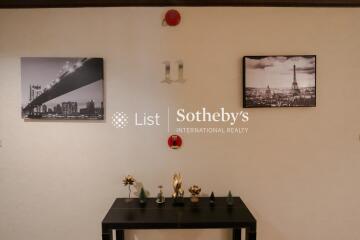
120, 234
251, 233
107, 234
237, 234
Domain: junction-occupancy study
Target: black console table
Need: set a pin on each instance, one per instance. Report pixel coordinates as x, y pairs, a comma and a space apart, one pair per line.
129, 215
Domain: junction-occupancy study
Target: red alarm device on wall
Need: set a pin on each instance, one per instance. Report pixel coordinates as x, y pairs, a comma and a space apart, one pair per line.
172, 17
174, 141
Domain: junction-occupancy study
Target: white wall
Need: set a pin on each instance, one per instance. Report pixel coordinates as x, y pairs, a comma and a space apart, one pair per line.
297, 169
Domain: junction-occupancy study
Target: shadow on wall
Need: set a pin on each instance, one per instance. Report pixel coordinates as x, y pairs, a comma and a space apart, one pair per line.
208, 234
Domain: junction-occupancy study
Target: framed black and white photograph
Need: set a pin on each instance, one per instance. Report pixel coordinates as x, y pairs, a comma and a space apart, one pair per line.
279, 81
62, 88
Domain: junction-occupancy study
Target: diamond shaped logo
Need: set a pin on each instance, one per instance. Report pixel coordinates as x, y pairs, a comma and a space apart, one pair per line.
120, 119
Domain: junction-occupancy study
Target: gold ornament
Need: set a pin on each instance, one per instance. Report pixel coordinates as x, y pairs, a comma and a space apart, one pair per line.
177, 182
129, 181
195, 191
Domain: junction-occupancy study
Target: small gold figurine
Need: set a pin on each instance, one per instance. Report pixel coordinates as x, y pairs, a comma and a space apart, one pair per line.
178, 194
129, 181
195, 191
177, 182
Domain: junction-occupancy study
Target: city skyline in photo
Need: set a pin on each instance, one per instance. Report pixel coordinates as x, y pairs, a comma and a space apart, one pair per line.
62, 87
277, 71
280, 81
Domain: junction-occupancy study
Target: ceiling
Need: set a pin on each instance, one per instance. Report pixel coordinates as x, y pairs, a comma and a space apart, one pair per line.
154, 3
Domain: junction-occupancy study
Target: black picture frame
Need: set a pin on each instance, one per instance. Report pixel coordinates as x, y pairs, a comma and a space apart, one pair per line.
278, 102
62, 88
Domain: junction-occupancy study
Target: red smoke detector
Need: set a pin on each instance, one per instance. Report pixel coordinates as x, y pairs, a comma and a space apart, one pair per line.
172, 17
174, 141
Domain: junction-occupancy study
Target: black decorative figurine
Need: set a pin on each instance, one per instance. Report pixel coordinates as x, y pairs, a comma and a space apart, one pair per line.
212, 199
230, 200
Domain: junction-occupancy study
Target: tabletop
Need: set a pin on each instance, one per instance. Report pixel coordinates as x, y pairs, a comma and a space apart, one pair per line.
130, 215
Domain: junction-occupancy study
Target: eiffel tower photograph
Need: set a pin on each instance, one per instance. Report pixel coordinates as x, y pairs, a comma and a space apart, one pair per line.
279, 81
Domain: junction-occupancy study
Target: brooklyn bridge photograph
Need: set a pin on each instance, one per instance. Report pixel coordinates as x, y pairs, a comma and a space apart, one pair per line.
279, 81
62, 88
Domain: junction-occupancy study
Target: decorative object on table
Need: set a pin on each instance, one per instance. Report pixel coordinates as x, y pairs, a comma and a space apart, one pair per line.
62, 88
172, 18
230, 199
279, 81
137, 186
129, 181
142, 197
174, 141
195, 191
160, 200
178, 195
212, 199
